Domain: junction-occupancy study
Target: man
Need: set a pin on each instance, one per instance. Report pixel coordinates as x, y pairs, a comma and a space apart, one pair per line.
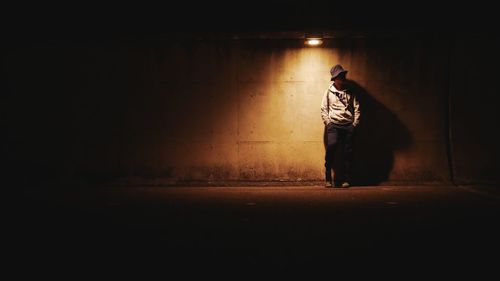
340, 114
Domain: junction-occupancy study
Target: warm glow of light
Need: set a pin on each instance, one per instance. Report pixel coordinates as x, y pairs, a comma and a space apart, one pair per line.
314, 42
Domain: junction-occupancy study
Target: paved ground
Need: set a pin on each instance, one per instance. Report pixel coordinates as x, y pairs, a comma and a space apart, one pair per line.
195, 229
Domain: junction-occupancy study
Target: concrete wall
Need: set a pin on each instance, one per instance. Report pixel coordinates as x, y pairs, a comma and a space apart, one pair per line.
223, 110
474, 108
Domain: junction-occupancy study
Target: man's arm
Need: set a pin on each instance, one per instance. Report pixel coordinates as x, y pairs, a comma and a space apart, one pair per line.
357, 112
324, 109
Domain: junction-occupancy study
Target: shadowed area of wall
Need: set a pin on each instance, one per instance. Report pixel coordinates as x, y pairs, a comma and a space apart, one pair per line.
474, 108
167, 111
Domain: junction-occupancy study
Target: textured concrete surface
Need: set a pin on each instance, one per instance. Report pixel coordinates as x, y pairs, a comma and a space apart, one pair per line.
474, 110
248, 109
216, 231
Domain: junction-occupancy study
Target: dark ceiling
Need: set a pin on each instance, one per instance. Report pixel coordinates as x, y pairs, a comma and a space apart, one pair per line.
131, 20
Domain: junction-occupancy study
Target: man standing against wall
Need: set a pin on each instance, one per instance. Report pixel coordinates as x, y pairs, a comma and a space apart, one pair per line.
340, 114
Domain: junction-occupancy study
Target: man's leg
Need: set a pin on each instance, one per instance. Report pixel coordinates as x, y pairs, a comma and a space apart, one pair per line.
348, 147
331, 145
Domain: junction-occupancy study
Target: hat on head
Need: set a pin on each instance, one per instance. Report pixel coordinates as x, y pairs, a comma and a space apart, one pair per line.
336, 70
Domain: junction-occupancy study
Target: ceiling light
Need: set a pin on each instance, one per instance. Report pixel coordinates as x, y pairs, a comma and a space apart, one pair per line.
314, 41
313, 38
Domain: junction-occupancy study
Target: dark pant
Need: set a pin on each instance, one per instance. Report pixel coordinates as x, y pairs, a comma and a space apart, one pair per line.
335, 135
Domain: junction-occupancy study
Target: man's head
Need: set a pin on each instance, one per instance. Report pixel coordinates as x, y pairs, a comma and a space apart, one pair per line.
338, 76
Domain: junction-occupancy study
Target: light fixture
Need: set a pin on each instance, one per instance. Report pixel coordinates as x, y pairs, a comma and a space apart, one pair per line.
314, 39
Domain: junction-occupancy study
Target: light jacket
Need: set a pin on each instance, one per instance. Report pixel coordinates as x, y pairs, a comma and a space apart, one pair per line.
339, 107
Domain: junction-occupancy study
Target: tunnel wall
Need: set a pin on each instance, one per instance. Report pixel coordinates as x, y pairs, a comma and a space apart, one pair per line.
168, 111
474, 108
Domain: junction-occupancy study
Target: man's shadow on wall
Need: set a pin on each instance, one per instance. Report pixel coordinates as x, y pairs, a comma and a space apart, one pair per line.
379, 134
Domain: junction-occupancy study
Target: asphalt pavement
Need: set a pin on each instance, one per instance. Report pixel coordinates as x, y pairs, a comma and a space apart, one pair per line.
420, 228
